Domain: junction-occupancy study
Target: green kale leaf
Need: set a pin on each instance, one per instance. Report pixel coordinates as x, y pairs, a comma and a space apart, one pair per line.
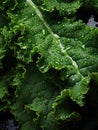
48, 62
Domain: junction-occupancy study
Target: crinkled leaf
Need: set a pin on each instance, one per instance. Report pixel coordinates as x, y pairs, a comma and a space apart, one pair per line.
64, 7
63, 109
65, 46
50, 58
35, 101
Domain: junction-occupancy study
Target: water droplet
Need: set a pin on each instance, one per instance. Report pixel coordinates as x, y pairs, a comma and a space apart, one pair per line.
73, 79
22, 56
43, 31
26, 5
56, 62
83, 46
24, 47
32, 14
58, 22
42, 67
20, 43
68, 40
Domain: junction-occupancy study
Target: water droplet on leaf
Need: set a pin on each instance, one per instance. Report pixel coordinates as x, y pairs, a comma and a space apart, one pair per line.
43, 31
24, 47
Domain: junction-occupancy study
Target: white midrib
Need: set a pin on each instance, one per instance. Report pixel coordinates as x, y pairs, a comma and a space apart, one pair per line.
56, 38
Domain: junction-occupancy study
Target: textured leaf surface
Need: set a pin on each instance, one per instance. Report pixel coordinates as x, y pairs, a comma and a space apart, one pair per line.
35, 101
52, 58
64, 7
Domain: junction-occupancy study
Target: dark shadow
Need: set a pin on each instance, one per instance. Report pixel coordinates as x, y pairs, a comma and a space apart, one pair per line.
85, 14
7, 121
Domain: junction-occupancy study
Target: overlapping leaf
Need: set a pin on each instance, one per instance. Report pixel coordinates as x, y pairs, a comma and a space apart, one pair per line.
64, 7
34, 98
67, 47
